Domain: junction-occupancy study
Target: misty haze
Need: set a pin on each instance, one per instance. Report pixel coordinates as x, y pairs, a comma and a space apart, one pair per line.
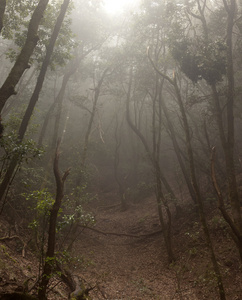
120, 149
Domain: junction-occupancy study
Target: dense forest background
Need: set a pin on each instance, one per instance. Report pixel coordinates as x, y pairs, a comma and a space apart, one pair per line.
129, 111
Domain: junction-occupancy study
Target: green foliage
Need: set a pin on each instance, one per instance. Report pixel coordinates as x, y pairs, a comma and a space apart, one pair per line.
65, 258
16, 24
42, 201
11, 147
17, 15
31, 178
78, 216
201, 60
23, 151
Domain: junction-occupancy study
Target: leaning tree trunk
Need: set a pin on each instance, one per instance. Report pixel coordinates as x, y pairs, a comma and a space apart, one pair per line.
50, 253
46, 62
70, 70
21, 89
178, 151
199, 200
35, 96
166, 227
22, 60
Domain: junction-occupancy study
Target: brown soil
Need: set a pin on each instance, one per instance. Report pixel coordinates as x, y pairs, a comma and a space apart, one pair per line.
128, 267
130, 262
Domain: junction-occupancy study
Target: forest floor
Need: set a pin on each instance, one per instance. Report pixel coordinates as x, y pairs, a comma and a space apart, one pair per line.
129, 261
135, 265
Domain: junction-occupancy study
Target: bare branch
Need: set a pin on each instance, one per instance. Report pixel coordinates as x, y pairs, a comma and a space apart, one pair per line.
158, 71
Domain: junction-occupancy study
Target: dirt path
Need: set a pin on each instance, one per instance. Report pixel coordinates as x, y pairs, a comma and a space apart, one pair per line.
128, 267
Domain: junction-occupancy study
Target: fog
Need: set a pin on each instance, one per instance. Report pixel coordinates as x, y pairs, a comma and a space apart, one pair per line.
144, 99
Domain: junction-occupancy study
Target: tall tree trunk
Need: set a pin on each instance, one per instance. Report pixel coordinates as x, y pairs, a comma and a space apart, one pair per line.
60, 98
40, 81
166, 227
116, 167
90, 123
199, 200
35, 96
70, 70
8, 87
178, 151
227, 138
50, 253
229, 147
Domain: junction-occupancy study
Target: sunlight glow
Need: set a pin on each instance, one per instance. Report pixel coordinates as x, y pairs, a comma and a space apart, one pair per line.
116, 6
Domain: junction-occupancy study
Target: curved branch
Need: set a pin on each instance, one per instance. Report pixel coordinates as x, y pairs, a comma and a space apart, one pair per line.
158, 71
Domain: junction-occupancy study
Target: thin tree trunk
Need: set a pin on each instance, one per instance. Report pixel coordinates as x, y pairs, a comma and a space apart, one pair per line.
199, 200
236, 234
116, 166
59, 100
50, 253
229, 149
90, 123
40, 81
178, 152
198, 194
227, 138
70, 70
166, 228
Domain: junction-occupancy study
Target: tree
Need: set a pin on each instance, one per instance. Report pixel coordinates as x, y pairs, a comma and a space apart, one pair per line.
23, 58
50, 253
166, 227
194, 181
34, 97
216, 60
